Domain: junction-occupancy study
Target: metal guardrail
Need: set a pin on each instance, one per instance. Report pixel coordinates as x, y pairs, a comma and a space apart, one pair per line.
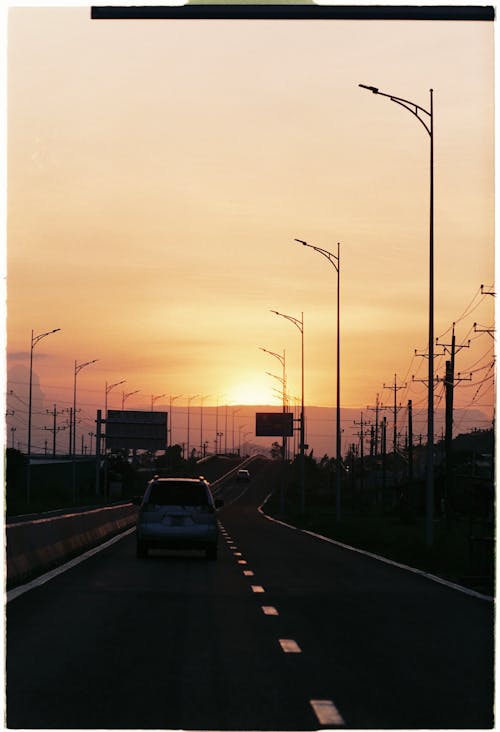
35, 545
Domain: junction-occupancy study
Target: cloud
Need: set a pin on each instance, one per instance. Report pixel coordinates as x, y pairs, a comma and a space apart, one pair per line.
24, 355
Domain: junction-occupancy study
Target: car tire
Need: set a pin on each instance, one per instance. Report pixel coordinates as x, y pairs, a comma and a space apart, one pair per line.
211, 552
141, 550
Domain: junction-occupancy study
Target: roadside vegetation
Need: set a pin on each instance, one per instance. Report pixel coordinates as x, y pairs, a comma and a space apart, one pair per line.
383, 513
60, 484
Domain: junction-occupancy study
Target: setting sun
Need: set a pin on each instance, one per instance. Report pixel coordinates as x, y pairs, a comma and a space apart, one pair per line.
256, 390
185, 215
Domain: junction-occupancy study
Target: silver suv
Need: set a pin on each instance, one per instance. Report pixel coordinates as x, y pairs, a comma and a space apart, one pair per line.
178, 513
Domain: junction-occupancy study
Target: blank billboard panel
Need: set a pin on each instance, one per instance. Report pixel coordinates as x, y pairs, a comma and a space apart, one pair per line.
136, 430
274, 424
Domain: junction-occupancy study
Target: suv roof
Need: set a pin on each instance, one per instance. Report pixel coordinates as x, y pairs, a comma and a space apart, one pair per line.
158, 479
178, 491
181, 481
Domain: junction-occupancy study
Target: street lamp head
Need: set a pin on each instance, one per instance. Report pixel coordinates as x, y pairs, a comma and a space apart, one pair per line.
370, 88
35, 339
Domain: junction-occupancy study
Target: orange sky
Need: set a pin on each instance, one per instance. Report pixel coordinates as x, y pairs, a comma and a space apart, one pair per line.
160, 170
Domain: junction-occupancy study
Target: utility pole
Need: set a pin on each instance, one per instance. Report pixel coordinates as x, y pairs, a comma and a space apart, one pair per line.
376, 409
395, 388
98, 436
225, 432
449, 382
54, 429
489, 291
361, 434
70, 429
490, 331
384, 454
410, 443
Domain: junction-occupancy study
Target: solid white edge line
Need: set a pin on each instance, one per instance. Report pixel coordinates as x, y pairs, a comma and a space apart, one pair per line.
47, 576
378, 557
230, 503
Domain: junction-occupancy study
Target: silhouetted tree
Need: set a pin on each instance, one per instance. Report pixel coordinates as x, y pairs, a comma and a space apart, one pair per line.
276, 451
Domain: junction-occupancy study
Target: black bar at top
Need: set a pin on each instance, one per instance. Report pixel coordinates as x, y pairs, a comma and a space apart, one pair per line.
294, 12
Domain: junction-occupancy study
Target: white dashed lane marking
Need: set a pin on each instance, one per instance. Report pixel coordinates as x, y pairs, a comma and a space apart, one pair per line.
325, 710
289, 646
327, 713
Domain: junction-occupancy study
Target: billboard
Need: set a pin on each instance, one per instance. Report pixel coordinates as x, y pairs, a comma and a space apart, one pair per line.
136, 430
273, 424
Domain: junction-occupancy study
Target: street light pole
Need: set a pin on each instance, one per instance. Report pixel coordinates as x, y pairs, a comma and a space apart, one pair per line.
240, 428
34, 340
300, 325
282, 360
172, 399
225, 431
106, 392
202, 399
78, 368
108, 388
126, 396
334, 260
282, 379
426, 118
235, 411
189, 400
217, 433
154, 399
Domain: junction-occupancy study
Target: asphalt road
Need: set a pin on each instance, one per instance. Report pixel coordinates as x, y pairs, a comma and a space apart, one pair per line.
176, 641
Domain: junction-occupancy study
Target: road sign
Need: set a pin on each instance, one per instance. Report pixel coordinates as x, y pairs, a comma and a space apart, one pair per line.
130, 429
274, 424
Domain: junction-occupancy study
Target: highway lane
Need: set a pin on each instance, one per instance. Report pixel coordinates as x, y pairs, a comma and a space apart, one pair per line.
390, 648
179, 642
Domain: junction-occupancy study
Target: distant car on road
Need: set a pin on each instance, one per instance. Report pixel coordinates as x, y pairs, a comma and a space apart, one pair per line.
177, 513
242, 474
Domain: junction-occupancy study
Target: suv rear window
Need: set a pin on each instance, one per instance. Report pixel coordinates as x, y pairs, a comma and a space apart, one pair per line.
178, 494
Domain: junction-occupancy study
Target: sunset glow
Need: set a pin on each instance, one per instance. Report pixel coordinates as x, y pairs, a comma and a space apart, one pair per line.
159, 173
